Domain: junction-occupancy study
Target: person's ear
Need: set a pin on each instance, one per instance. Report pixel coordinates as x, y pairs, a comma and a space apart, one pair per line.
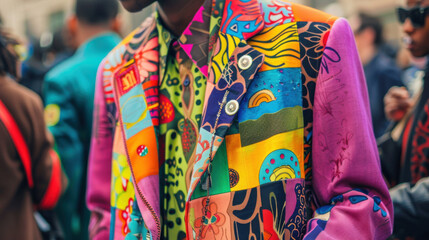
72, 25
371, 35
116, 25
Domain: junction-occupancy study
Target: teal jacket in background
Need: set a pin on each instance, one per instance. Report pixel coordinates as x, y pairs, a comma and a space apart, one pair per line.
69, 96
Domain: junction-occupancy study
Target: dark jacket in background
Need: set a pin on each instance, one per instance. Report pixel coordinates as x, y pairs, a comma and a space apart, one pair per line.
16, 199
411, 196
381, 74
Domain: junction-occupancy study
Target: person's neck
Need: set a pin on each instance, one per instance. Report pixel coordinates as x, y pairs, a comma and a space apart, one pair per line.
87, 32
367, 54
177, 14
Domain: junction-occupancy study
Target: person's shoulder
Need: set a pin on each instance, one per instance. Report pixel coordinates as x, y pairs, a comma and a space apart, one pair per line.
138, 37
387, 68
279, 12
22, 95
386, 64
304, 13
62, 70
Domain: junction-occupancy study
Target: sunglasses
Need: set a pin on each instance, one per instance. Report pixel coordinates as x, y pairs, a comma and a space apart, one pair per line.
417, 15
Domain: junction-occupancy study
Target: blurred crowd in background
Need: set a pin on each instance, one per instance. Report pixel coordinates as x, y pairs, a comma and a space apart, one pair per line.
48, 40
378, 35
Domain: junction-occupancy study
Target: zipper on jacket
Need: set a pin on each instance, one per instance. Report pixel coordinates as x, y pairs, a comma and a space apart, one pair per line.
149, 207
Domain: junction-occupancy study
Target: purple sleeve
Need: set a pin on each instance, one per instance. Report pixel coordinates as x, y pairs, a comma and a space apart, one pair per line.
99, 166
351, 195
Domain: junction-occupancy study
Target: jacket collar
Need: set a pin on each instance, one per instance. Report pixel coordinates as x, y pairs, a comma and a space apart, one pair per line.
194, 41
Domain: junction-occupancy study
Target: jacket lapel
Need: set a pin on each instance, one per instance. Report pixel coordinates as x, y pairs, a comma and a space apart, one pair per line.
136, 96
234, 64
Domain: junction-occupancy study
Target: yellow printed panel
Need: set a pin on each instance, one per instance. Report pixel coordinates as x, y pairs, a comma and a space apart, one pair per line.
225, 46
280, 45
122, 187
277, 158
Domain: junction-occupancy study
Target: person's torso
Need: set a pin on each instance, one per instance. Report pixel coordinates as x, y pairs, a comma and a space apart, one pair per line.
255, 134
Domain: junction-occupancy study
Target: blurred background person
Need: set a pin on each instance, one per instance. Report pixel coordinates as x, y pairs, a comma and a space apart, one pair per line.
33, 68
42, 185
380, 70
410, 170
61, 48
45, 55
69, 96
412, 70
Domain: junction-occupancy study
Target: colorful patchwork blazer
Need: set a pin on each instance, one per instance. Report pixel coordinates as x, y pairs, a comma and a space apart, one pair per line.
286, 130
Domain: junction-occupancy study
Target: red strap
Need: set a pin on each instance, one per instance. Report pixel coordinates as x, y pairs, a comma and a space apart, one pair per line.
18, 140
53, 192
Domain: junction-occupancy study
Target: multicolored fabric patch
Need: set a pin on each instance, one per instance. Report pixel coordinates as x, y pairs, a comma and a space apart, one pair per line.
277, 12
272, 211
123, 192
280, 45
277, 158
52, 114
128, 78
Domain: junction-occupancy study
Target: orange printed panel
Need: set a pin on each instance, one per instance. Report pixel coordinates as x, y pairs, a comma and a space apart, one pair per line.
307, 14
218, 225
143, 152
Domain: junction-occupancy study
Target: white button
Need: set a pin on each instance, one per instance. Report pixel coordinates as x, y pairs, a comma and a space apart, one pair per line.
245, 62
231, 107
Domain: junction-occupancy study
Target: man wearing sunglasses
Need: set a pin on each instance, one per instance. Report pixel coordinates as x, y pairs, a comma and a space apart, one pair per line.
411, 196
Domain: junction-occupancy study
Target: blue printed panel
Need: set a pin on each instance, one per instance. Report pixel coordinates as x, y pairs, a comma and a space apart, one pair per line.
270, 92
134, 111
277, 12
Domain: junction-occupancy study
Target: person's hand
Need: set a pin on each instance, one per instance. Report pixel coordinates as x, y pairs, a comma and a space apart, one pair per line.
396, 103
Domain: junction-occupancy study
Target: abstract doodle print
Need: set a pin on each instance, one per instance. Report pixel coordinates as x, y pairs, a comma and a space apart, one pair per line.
123, 195
280, 46
271, 211
241, 19
277, 12
181, 103
312, 38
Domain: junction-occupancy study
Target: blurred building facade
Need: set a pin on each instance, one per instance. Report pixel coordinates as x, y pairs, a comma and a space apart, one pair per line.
385, 9
35, 17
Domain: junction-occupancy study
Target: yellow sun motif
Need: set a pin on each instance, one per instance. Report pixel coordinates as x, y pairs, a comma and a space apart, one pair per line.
260, 97
281, 173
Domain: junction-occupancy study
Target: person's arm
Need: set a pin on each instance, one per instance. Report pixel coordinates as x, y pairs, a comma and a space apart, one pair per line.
411, 205
397, 103
62, 119
99, 166
349, 191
